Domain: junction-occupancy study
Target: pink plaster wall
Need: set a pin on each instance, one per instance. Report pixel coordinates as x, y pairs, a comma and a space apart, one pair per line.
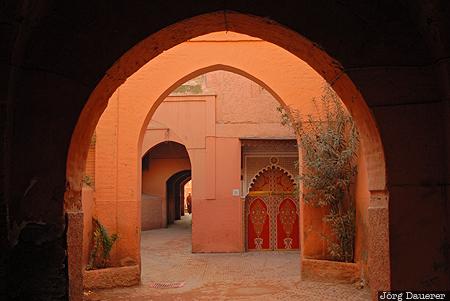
217, 215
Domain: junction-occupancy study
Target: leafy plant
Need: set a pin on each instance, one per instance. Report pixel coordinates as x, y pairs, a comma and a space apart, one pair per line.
329, 143
87, 180
102, 244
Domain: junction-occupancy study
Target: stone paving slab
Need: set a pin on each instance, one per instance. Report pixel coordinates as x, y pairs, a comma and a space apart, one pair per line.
167, 257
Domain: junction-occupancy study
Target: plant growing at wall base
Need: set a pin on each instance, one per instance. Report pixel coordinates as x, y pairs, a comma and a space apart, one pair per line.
329, 142
102, 244
87, 180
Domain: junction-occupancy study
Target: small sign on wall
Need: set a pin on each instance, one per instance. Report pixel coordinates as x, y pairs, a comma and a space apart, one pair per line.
236, 192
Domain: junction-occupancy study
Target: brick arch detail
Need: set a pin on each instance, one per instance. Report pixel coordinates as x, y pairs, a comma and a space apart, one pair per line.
264, 169
174, 138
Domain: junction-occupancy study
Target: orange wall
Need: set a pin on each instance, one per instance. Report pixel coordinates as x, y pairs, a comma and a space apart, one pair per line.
115, 186
362, 198
90, 162
87, 195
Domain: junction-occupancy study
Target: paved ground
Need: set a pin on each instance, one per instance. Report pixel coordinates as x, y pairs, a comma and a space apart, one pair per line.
167, 257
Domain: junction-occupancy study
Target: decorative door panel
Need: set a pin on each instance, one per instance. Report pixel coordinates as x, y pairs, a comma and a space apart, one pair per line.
272, 212
288, 225
273, 179
258, 225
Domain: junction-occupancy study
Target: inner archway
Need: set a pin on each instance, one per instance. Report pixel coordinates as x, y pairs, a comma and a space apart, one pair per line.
175, 195
372, 147
235, 116
164, 167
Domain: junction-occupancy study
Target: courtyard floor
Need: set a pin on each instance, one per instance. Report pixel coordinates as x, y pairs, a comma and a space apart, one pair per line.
167, 258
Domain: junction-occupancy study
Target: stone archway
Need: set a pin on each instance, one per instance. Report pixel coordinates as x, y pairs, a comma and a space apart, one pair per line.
303, 49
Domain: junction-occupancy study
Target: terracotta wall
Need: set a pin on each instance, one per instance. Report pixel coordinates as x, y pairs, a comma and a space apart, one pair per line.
244, 108
88, 213
88, 202
90, 162
362, 198
116, 190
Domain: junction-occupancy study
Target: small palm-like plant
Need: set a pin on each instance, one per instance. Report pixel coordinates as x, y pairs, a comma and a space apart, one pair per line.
102, 244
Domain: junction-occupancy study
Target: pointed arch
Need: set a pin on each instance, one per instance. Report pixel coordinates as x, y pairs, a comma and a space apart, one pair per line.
291, 177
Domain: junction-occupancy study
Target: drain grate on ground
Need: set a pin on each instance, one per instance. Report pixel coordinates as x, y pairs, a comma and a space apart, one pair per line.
166, 284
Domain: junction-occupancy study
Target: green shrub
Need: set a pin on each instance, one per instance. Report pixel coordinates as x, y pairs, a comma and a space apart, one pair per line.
329, 143
102, 244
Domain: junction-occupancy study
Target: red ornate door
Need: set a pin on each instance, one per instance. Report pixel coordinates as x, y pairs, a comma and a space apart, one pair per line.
287, 224
258, 216
272, 212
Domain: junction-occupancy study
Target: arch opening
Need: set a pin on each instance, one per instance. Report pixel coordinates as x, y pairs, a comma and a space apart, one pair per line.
175, 195
164, 167
320, 61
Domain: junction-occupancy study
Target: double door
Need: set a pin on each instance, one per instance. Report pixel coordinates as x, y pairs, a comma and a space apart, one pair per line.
272, 221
